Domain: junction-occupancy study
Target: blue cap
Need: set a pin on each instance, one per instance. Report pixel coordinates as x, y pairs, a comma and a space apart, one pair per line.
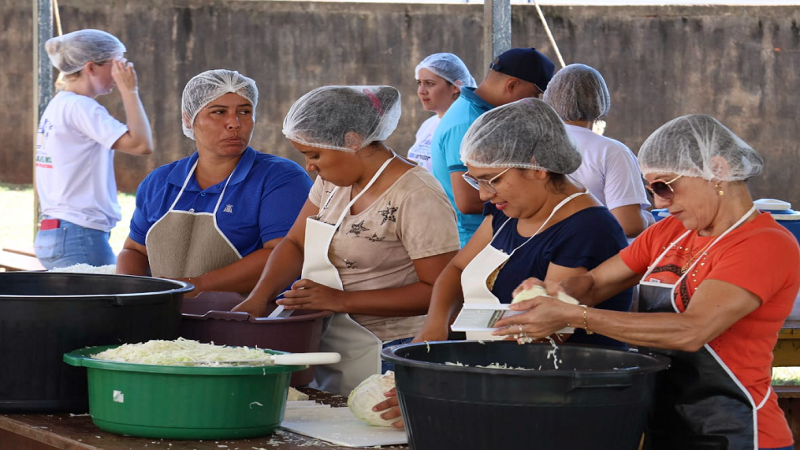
527, 64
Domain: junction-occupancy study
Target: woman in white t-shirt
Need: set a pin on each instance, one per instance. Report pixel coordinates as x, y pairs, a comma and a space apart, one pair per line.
440, 78
371, 239
609, 170
75, 147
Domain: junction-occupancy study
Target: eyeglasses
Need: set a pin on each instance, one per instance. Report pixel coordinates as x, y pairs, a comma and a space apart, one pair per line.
477, 183
663, 188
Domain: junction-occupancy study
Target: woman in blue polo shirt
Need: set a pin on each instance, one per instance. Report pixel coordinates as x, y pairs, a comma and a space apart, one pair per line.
213, 218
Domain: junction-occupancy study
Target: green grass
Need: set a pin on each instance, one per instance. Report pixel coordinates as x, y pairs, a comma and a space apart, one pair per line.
16, 217
786, 376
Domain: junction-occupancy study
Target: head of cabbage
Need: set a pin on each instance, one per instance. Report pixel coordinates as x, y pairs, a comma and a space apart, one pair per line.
368, 394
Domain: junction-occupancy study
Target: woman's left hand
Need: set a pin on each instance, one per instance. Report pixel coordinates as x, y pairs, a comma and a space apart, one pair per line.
391, 409
307, 294
543, 317
124, 75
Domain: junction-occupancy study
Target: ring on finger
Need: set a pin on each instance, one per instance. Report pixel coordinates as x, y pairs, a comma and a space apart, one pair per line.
519, 327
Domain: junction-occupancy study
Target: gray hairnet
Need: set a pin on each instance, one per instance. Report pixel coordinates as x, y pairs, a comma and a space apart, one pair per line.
323, 117
70, 52
209, 86
448, 66
526, 134
578, 92
691, 146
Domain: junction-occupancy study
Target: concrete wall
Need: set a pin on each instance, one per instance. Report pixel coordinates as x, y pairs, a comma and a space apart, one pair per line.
738, 64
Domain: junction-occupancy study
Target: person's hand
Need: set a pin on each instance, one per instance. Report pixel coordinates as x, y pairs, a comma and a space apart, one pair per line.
307, 294
391, 409
551, 287
124, 75
431, 331
544, 316
194, 292
253, 306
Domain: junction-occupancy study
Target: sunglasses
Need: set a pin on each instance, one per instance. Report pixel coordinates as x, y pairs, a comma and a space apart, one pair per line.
663, 188
488, 185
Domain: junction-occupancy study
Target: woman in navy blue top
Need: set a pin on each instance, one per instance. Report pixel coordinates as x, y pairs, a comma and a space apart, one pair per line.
538, 222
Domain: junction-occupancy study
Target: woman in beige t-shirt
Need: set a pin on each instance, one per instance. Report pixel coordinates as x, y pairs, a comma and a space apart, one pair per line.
398, 235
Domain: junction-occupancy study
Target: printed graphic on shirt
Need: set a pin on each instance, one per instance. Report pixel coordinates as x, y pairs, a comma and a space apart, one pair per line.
388, 213
42, 159
228, 209
357, 228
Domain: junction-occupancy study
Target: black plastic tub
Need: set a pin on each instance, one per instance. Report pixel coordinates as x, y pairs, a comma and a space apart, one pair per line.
44, 315
598, 398
208, 318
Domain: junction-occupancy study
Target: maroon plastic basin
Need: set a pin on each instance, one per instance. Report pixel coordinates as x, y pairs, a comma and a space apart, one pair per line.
208, 318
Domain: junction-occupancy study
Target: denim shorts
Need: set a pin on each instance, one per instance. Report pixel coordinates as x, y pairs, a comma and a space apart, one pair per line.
386, 365
71, 244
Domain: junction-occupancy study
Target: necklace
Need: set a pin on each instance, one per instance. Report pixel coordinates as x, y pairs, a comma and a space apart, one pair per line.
694, 257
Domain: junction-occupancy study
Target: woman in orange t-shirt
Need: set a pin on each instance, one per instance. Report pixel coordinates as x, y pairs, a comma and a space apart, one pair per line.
717, 279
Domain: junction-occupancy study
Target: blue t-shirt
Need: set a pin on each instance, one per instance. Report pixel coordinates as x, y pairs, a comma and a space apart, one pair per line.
446, 148
261, 202
584, 239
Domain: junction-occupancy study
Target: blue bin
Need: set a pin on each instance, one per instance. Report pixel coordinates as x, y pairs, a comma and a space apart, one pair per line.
782, 212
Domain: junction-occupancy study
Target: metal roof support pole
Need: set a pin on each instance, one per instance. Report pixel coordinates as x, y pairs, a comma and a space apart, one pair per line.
42, 80
496, 30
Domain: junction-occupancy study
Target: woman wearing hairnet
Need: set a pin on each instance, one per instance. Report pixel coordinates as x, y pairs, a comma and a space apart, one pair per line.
371, 239
538, 222
440, 77
580, 96
717, 279
75, 147
214, 217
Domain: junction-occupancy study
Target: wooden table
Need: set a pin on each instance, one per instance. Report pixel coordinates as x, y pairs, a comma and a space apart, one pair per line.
71, 432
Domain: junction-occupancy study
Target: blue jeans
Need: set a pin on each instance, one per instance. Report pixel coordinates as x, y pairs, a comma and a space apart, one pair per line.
385, 365
71, 244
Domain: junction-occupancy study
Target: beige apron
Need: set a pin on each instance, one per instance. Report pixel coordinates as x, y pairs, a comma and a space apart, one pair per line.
184, 244
360, 349
474, 277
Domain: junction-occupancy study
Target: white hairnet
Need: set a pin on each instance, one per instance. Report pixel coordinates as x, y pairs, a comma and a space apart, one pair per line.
209, 86
692, 145
578, 92
325, 115
70, 52
448, 66
526, 134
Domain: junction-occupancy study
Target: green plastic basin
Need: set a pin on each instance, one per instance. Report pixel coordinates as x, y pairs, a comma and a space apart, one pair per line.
184, 402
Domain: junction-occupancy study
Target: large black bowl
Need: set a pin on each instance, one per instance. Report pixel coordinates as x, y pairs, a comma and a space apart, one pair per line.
46, 314
597, 398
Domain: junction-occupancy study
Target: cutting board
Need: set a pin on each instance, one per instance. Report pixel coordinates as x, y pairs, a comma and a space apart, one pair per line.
337, 425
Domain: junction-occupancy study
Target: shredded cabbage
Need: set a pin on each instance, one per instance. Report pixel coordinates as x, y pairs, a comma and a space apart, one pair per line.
86, 268
183, 352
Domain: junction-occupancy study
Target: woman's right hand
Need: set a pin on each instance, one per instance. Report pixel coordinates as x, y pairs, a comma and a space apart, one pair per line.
254, 307
124, 76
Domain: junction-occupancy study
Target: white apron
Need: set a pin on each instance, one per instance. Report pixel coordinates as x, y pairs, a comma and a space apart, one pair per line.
700, 403
474, 277
183, 244
360, 349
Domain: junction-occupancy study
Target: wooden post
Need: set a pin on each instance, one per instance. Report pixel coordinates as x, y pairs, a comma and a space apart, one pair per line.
42, 81
496, 30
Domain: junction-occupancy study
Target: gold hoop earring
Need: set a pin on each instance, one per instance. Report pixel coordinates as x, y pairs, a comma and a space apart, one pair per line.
719, 191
